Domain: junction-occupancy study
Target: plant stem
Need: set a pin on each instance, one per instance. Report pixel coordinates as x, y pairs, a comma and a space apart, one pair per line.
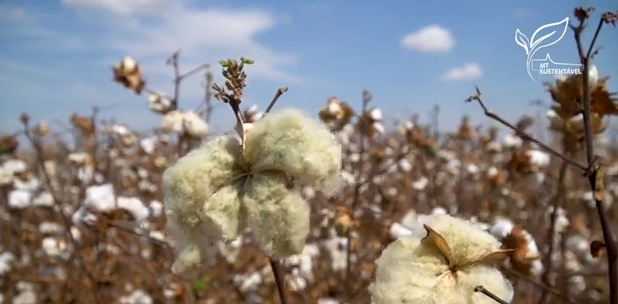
280, 281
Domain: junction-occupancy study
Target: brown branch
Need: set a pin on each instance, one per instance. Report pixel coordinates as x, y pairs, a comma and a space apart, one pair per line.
558, 201
592, 177
540, 285
522, 134
38, 149
488, 293
280, 92
279, 281
359, 172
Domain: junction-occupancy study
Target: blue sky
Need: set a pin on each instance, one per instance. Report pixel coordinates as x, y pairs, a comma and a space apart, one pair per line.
55, 55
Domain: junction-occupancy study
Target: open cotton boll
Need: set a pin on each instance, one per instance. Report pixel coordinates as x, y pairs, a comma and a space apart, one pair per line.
195, 125
298, 145
172, 122
196, 245
195, 177
411, 271
19, 199
134, 206
278, 217
593, 76
200, 210
223, 209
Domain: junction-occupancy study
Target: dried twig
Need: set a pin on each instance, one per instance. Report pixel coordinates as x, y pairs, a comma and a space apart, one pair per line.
558, 201
488, 293
540, 285
367, 97
583, 14
279, 281
272, 103
522, 134
40, 162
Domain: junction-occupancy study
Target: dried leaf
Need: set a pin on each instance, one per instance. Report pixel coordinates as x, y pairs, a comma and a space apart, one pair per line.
602, 102
8, 144
597, 123
596, 248
343, 221
436, 240
488, 259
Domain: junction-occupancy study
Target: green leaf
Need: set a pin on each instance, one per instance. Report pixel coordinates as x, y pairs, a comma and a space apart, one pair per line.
246, 61
200, 285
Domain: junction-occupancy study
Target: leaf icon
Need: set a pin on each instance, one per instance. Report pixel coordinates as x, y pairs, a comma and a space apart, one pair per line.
522, 40
557, 29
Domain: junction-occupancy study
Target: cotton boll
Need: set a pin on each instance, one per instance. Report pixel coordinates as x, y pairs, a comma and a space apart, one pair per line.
223, 210
397, 230
195, 125
294, 143
172, 122
406, 272
593, 76
278, 217
466, 239
189, 262
196, 176
411, 271
196, 246
199, 212
135, 206
19, 199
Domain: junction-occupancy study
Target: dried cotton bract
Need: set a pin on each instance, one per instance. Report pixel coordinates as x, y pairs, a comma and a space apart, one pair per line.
214, 192
441, 268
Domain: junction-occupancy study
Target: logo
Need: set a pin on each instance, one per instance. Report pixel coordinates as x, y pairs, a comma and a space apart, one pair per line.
553, 32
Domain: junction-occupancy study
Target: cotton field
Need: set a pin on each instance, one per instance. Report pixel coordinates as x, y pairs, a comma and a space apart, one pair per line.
409, 213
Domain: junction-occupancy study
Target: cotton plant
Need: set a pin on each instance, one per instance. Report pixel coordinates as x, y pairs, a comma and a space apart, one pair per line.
184, 123
216, 191
160, 104
444, 266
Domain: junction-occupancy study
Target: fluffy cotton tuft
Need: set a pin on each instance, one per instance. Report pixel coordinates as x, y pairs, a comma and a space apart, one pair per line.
213, 193
303, 148
197, 202
278, 217
412, 271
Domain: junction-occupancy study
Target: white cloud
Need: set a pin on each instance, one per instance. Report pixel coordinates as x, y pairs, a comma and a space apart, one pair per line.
122, 7
469, 71
429, 39
97, 33
151, 30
